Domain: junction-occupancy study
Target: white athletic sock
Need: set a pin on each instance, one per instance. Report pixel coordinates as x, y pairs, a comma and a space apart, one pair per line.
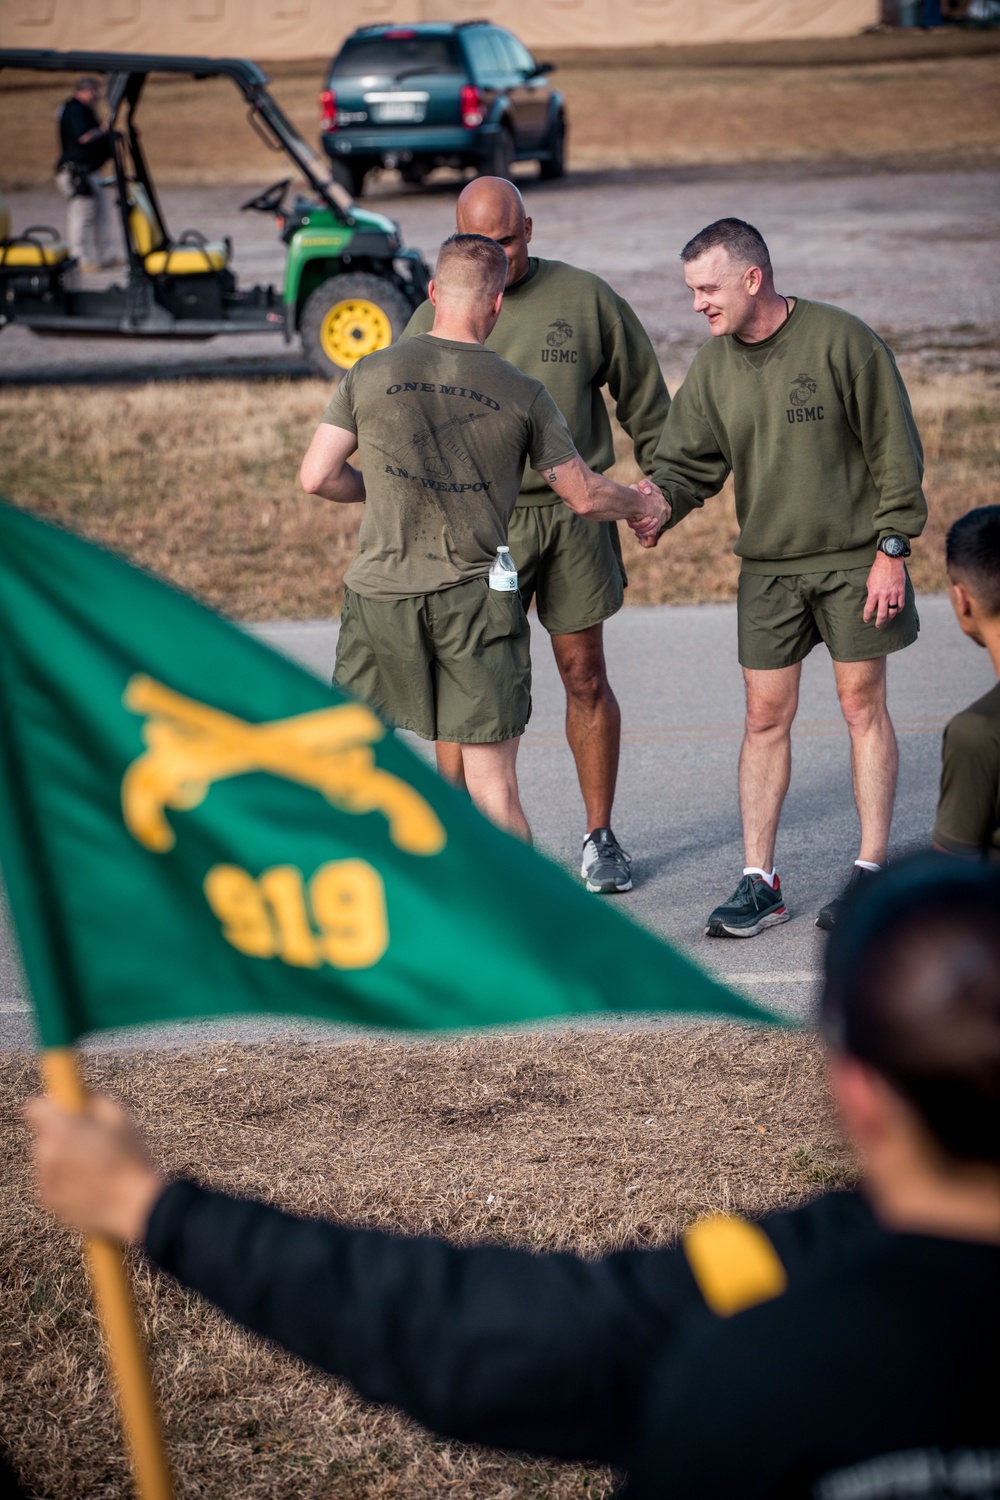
866, 864
756, 870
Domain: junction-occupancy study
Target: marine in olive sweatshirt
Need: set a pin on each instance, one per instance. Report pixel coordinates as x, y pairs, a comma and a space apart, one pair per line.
571, 331
804, 406
968, 811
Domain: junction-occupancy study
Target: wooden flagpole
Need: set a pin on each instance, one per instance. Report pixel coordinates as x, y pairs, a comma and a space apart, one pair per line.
116, 1311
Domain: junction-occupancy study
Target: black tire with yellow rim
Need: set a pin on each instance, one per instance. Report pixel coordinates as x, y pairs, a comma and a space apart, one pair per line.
348, 317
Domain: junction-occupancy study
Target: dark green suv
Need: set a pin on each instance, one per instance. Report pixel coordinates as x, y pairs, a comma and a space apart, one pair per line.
435, 95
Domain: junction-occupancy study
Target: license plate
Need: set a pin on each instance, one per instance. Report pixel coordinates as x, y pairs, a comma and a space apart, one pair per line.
394, 110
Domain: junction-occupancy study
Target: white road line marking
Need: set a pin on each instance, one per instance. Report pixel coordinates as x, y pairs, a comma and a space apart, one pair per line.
790, 976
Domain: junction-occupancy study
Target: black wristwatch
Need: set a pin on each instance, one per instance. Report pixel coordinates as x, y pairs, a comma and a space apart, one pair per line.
894, 545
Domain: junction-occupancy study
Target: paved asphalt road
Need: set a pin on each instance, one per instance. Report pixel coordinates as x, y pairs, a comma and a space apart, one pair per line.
675, 671
914, 254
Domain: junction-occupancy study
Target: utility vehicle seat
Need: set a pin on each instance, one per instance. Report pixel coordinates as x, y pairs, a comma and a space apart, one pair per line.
37, 246
27, 249
184, 257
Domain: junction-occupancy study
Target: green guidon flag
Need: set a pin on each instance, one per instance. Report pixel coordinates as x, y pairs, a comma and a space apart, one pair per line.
190, 825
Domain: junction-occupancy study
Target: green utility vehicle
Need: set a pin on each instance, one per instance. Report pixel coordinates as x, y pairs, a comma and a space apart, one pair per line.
350, 287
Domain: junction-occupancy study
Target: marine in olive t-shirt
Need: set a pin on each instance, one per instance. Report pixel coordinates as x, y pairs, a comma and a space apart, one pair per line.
968, 813
573, 332
443, 431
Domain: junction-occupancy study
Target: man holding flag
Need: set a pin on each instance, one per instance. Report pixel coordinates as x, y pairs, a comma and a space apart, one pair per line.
824, 1352
193, 826
190, 825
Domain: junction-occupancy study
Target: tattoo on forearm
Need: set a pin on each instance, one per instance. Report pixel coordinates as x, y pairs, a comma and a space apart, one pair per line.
551, 476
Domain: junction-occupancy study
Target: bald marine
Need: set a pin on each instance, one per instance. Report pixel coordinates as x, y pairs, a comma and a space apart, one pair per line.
570, 330
493, 207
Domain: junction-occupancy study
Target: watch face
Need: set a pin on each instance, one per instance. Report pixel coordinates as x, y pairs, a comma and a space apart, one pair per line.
894, 546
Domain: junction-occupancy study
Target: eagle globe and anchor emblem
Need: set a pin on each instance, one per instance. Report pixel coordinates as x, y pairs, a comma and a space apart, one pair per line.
560, 331
803, 390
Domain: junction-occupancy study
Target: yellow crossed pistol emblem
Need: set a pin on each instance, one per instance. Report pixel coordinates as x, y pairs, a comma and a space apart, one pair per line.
191, 745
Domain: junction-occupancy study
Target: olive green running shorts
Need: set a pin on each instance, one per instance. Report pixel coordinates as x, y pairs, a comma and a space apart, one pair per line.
452, 665
781, 617
571, 567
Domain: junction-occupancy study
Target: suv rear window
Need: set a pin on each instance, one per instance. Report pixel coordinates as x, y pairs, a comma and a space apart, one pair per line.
521, 59
394, 55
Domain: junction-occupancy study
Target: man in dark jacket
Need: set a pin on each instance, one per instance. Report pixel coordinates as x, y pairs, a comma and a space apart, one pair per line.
84, 147
843, 1349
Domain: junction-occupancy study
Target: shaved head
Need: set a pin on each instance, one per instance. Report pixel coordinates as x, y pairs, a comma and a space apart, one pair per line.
488, 200
493, 207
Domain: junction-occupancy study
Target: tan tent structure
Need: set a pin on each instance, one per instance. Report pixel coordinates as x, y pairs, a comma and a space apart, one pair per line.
278, 29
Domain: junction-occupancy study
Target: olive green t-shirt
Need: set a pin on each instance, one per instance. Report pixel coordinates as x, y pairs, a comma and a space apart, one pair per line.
443, 432
573, 332
968, 813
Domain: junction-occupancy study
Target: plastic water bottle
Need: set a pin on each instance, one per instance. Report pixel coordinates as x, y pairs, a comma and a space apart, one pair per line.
503, 573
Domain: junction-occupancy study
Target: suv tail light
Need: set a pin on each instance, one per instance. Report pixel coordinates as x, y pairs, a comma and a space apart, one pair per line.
328, 110
470, 102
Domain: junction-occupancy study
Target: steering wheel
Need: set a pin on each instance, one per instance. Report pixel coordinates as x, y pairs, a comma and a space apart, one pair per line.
270, 200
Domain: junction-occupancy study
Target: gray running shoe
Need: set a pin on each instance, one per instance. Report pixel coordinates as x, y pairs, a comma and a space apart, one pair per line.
606, 867
752, 907
831, 913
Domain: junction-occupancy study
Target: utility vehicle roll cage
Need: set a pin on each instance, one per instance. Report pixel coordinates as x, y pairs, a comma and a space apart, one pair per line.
127, 74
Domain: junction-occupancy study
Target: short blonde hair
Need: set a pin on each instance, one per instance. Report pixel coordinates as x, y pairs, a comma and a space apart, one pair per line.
471, 266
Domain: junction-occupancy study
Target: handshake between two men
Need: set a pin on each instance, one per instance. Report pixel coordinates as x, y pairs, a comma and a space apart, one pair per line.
597, 498
651, 524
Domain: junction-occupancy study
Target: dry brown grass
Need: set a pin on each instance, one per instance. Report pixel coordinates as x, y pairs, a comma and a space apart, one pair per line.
199, 483
859, 99
584, 1140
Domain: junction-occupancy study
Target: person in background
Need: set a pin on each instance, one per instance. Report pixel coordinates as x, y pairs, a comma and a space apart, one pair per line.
843, 1350
968, 812
84, 147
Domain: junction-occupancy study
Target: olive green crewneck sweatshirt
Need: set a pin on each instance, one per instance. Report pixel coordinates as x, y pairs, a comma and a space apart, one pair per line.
572, 331
816, 427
